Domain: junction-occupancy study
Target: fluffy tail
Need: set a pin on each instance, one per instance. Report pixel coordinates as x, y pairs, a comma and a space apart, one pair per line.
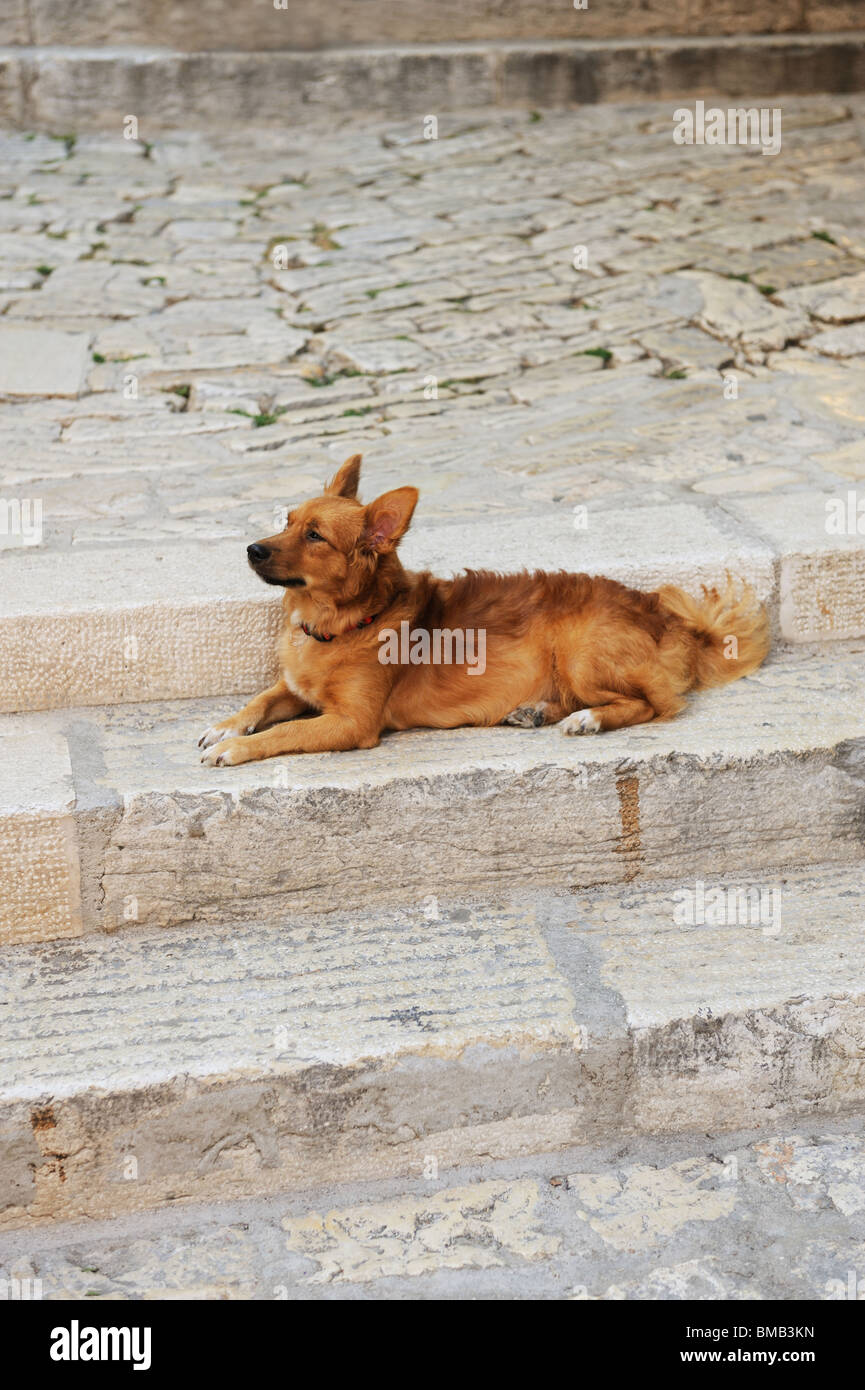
730, 631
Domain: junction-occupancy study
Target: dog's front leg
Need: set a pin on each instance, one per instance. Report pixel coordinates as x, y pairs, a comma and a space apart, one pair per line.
327, 733
278, 702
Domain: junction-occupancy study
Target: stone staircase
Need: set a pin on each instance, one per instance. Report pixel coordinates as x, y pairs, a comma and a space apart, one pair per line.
297, 1051
460, 943
121, 824
459, 948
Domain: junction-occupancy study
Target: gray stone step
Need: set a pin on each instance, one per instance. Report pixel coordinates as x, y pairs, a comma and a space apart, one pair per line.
306, 24
117, 823
238, 1060
771, 1215
94, 88
183, 619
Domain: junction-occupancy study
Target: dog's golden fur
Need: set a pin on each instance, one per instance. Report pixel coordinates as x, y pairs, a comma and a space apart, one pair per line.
584, 652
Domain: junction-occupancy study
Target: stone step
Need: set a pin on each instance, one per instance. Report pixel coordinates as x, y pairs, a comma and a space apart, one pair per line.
52, 87
123, 825
755, 1215
172, 621
305, 24
233, 1060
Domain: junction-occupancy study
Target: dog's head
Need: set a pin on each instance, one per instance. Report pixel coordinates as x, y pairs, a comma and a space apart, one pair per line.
333, 544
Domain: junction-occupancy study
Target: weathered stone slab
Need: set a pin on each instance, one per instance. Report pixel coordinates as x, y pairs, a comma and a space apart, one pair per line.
182, 89
763, 757
740, 315
150, 1068
707, 1220
39, 868
846, 341
831, 301
158, 624
821, 540
42, 362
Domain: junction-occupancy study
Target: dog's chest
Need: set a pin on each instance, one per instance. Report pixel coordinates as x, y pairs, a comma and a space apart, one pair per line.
301, 664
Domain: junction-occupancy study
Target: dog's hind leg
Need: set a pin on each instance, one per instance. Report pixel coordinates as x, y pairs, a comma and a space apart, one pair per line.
534, 716
614, 712
644, 693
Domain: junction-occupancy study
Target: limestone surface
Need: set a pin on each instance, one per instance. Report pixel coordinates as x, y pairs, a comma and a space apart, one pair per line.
234, 1059
368, 986
42, 362
583, 342
746, 1217
39, 851
767, 772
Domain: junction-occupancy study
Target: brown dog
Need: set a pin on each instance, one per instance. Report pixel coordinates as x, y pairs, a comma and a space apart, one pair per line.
361, 634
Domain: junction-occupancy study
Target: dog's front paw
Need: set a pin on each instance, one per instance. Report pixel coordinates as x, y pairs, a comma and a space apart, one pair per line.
228, 753
582, 722
228, 729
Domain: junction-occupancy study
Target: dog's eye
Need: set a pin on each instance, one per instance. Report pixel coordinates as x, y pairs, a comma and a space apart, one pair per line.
314, 536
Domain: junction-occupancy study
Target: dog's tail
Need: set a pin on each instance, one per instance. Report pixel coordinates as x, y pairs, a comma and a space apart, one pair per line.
730, 631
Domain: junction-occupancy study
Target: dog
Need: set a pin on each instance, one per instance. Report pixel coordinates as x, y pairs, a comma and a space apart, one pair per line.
585, 653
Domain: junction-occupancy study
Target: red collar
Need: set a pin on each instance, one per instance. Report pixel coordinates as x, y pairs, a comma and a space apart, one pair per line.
329, 636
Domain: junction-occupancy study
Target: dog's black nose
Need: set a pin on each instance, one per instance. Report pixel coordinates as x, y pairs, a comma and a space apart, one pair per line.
257, 553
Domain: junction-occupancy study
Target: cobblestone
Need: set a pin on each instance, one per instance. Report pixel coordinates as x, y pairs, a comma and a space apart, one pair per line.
250, 308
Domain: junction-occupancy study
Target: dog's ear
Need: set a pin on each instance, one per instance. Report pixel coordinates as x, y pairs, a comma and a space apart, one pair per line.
345, 481
387, 519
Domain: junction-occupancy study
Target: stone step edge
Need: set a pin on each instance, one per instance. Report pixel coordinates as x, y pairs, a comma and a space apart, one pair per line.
109, 820
532, 1213
95, 1150
192, 620
52, 88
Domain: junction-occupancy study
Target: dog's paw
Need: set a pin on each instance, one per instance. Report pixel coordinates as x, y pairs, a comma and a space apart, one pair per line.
219, 732
527, 716
228, 753
581, 722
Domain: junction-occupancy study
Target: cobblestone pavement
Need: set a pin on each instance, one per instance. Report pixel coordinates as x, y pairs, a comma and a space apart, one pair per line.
732, 1217
531, 313
527, 313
